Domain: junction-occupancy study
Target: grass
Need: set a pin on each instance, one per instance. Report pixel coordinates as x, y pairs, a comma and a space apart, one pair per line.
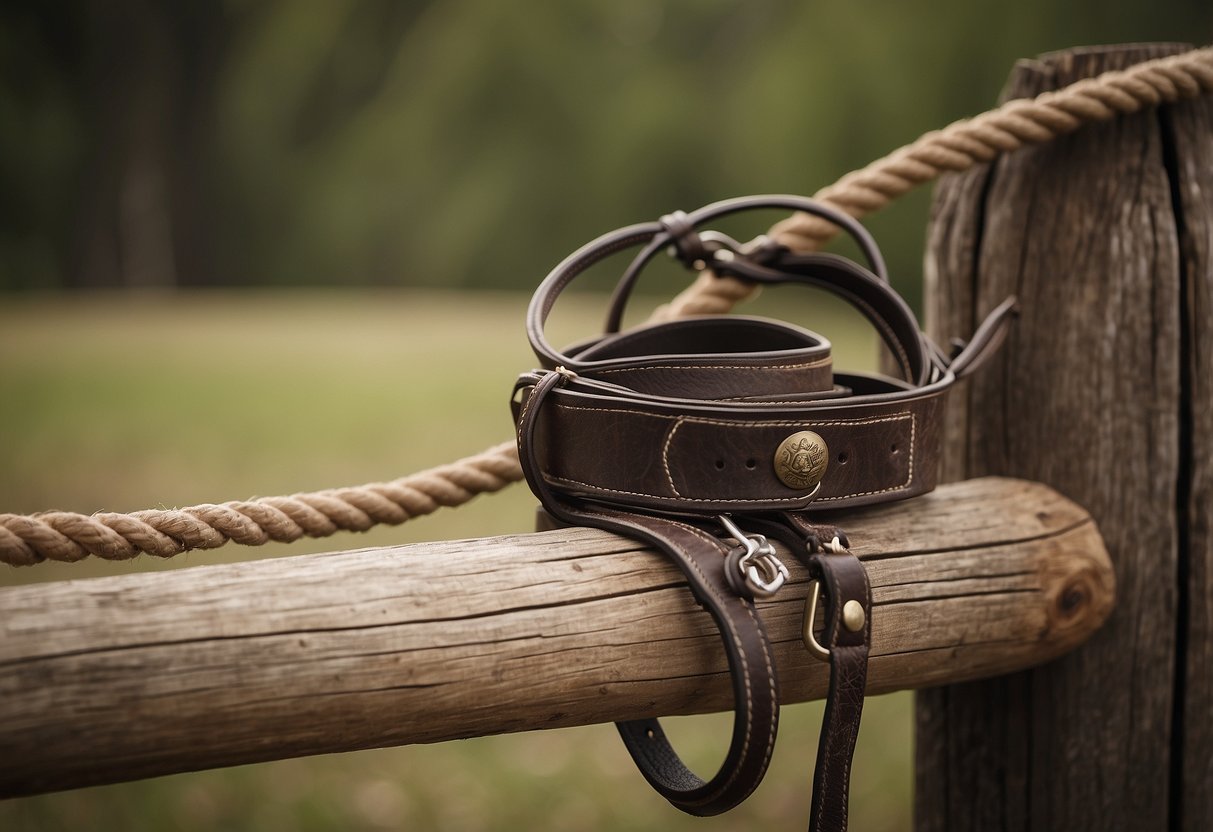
113, 402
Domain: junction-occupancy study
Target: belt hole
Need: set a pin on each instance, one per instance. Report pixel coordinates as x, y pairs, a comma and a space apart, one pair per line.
720, 465
843, 458
751, 464
893, 448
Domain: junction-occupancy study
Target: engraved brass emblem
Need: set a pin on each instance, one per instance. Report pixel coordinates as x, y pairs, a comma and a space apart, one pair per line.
801, 459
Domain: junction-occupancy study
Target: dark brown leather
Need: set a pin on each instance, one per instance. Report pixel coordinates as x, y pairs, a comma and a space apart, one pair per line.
654, 431
687, 416
699, 555
679, 455
752, 670
844, 579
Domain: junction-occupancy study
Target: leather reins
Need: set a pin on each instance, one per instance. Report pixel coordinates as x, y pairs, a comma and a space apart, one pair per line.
704, 437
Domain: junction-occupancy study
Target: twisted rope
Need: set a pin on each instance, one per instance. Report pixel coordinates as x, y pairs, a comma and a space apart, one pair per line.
65, 536
961, 145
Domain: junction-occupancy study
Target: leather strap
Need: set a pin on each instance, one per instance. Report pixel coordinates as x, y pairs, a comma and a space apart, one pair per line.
844, 581
752, 670
653, 432
700, 556
686, 416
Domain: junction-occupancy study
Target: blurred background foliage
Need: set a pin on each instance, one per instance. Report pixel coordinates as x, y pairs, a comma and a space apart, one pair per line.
466, 143
435, 147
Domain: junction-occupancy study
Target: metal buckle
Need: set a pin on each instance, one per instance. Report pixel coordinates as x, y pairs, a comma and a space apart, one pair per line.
763, 571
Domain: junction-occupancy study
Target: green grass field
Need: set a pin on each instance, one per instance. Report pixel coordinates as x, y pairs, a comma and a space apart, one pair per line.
115, 402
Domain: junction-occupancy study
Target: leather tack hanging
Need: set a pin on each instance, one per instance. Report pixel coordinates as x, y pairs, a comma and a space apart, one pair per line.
705, 437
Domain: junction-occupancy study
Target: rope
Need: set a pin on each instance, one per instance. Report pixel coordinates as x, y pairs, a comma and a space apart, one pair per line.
960, 146
65, 536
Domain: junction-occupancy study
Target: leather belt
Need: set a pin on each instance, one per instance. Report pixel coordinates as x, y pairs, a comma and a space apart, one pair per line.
704, 436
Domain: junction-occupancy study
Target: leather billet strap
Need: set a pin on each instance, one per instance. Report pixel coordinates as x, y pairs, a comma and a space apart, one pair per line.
714, 457
848, 638
655, 431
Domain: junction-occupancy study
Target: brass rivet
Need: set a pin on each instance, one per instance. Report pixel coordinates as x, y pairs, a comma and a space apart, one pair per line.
852, 616
801, 459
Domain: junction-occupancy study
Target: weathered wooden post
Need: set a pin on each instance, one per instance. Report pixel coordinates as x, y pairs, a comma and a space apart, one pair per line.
1104, 391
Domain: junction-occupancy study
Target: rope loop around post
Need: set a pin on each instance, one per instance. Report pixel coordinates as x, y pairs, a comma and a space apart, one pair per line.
960, 146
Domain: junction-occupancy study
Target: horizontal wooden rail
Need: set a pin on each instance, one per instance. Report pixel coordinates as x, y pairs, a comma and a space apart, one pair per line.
120, 678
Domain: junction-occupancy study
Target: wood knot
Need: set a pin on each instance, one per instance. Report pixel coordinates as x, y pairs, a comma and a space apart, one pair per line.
1077, 579
1072, 600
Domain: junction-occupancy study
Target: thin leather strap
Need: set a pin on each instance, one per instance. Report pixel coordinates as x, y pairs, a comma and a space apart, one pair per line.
606, 245
844, 581
752, 670
842, 578
702, 558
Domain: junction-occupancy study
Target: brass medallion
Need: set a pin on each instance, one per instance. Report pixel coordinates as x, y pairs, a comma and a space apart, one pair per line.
801, 459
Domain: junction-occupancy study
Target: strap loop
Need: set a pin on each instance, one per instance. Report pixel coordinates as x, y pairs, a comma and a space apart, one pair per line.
655, 237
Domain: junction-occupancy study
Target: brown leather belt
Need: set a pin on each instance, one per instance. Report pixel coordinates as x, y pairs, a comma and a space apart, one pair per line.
704, 436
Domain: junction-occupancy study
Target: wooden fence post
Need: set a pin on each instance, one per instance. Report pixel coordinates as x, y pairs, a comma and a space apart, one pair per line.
1105, 392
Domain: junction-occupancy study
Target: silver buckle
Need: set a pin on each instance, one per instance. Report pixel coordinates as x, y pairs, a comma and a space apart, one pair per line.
763, 571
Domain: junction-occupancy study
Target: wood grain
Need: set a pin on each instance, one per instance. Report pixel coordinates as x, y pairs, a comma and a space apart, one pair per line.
1102, 391
134, 676
1188, 132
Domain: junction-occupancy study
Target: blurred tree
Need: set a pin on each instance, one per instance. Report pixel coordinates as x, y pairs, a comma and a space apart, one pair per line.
354, 67
466, 143
137, 80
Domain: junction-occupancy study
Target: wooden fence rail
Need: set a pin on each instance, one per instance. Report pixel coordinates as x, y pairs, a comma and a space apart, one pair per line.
126, 677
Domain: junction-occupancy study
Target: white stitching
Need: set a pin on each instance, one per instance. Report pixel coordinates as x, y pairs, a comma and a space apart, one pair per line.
665, 456
901, 417
742, 422
821, 362
766, 658
614, 410
522, 414
601, 490
909, 473
897, 417
745, 665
